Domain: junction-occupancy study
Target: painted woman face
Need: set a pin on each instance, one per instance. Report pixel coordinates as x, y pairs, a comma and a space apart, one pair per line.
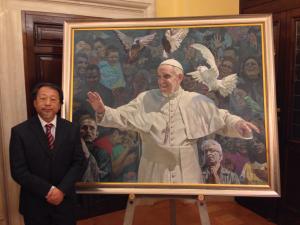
251, 69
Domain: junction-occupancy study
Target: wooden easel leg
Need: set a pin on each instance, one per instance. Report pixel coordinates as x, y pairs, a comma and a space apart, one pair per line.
129, 213
173, 211
204, 218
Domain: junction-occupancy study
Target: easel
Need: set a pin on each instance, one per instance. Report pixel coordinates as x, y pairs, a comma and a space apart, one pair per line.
134, 200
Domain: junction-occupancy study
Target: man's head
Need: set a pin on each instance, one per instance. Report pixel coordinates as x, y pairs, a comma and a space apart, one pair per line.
213, 152
47, 100
88, 128
170, 76
92, 76
226, 67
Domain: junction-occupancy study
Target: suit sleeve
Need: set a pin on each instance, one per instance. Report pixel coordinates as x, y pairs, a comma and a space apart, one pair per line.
77, 167
19, 168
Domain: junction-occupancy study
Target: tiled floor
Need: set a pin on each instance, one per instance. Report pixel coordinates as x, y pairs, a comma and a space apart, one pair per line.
220, 213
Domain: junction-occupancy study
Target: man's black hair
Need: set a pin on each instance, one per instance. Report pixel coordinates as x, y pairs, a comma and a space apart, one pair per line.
38, 86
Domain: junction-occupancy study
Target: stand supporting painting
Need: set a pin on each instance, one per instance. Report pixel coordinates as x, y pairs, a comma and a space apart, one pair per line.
134, 200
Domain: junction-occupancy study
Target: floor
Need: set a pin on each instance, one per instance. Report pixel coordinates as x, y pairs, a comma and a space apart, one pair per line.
220, 213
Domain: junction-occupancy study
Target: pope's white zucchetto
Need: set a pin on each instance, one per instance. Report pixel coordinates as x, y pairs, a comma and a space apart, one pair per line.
172, 62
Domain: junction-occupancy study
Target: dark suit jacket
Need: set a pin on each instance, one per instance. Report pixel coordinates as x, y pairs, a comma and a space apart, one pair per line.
36, 168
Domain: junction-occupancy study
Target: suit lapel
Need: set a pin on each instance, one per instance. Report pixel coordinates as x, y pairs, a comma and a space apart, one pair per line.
40, 134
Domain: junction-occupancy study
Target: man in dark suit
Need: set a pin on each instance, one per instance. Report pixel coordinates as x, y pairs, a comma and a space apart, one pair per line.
46, 160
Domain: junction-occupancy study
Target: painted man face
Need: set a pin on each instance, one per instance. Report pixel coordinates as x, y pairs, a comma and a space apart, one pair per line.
213, 154
88, 130
226, 68
92, 77
47, 103
168, 81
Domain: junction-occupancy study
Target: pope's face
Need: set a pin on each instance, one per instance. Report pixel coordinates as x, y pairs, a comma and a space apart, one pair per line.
168, 81
47, 103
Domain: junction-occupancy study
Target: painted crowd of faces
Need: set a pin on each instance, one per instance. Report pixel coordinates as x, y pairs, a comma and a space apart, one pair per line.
102, 63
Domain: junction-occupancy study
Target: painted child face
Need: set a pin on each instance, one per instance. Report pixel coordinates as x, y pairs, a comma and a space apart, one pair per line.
99, 49
112, 58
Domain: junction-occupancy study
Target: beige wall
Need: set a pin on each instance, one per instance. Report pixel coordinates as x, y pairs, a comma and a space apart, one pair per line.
176, 8
12, 85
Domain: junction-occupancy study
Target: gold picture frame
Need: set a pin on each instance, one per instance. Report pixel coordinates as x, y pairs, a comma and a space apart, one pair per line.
243, 38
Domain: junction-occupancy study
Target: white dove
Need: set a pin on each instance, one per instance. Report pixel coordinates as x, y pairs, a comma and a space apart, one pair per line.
172, 39
134, 45
209, 76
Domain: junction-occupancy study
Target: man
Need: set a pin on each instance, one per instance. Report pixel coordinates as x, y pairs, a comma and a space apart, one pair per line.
213, 172
91, 82
46, 159
99, 163
169, 121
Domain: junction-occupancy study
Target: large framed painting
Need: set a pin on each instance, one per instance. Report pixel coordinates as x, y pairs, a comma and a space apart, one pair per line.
169, 144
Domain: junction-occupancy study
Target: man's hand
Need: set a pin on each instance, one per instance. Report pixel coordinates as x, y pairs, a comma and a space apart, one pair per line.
55, 196
214, 176
96, 102
245, 128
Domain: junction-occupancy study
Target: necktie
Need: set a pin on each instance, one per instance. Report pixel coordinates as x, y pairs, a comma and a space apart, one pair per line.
49, 135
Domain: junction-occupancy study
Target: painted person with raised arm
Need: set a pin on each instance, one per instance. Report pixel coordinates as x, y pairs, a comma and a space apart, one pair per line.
169, 121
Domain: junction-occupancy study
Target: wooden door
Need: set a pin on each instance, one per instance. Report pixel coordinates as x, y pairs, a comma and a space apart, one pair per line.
43, 46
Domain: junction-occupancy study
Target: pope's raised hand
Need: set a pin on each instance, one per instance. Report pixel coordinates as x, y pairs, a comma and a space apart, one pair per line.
96, 101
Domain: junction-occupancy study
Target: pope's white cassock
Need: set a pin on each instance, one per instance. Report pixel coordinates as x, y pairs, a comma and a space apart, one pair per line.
169, 127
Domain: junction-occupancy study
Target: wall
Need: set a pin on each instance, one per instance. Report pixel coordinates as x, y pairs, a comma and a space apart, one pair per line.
172, 8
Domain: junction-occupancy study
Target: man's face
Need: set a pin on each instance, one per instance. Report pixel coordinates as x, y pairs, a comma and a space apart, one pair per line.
213, 154
226, 68
47, 103
88, 130
168, 81
92, 77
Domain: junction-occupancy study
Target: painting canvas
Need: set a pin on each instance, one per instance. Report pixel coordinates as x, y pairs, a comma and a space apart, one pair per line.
119, 60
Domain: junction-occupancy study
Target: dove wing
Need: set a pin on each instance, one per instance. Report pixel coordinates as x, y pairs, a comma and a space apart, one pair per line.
125, 40
176, 38
196, 75
145, 40
208, 56
228, 84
